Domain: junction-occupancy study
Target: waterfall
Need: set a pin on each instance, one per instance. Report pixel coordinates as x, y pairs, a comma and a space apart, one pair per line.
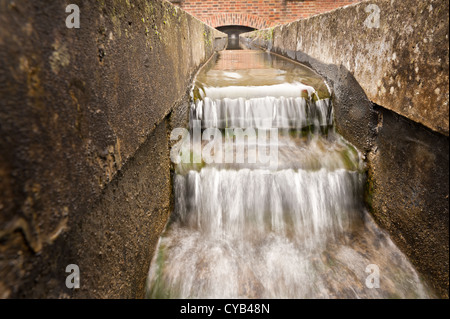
294, 230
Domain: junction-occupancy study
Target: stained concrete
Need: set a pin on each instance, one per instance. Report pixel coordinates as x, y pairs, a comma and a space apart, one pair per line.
392, 57
407, 192
84, 124
389, 84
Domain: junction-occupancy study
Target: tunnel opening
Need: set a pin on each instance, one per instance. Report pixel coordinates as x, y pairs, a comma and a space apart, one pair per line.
233, 32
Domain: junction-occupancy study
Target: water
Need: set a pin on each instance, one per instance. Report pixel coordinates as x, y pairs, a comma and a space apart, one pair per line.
294, 227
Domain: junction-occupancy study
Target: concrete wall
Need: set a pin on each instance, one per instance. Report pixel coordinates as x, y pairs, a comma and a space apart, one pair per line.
392, 59
84, 121
387, 64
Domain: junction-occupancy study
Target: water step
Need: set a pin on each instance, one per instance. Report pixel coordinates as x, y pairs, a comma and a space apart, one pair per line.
262, 112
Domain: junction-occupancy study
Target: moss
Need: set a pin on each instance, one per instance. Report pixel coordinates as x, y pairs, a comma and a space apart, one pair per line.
266, 34
349, 160
196, 92
305, 94
321, 95
158, 289
302, 133
207, 37
158, 34
184, 168
270, 34
316, 96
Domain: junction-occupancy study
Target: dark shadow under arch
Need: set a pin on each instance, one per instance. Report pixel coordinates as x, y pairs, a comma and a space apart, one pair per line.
233, 32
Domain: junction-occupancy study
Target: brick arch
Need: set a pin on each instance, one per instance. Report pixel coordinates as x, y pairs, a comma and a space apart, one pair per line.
244, 19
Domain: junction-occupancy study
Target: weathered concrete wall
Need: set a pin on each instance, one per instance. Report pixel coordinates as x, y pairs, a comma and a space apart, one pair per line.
84, 124
389, 78
407, 192
393, 60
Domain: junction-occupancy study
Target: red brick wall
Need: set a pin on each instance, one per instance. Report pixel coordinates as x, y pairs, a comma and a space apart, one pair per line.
256, 13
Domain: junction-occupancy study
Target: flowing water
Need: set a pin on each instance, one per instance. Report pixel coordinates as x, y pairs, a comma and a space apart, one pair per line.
293, 226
